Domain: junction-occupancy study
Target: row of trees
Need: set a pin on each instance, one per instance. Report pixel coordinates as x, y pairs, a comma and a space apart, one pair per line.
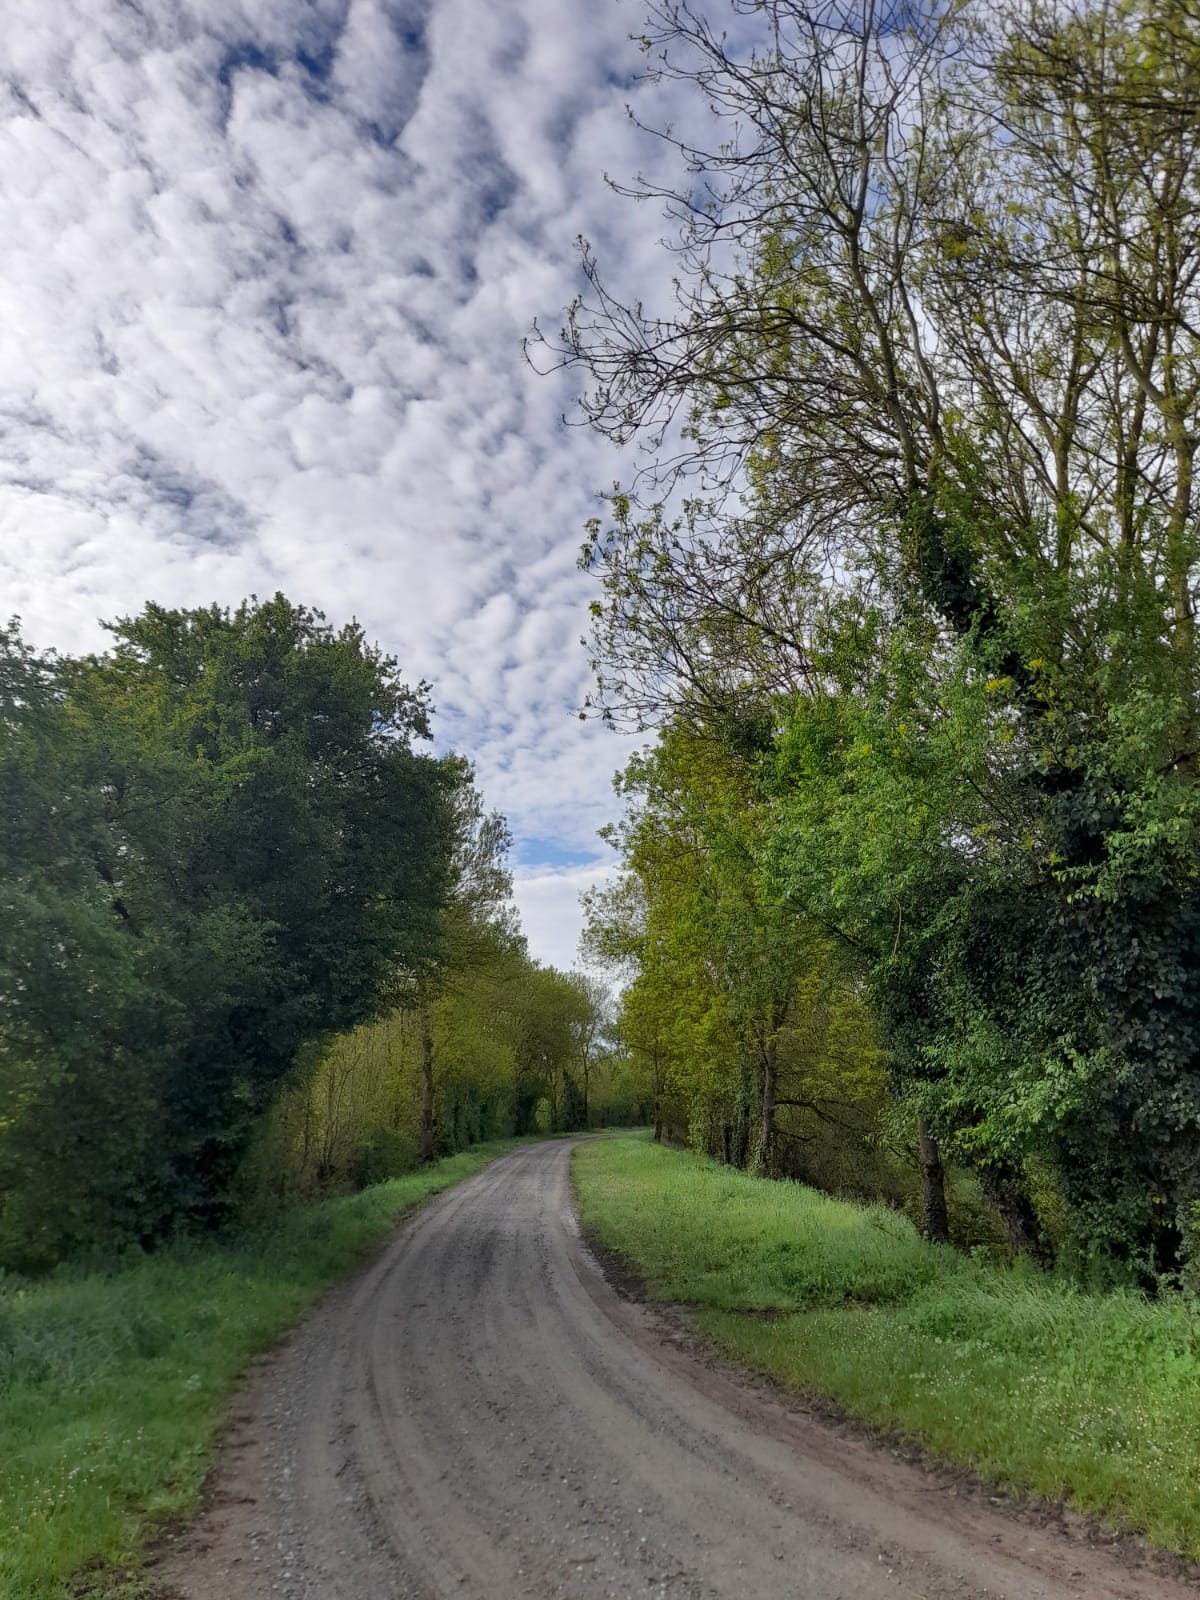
750, 1023
487, 1044
223, 850
912, 561
510, 1048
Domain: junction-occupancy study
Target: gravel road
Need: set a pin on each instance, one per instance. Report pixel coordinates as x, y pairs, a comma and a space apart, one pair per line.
481, 1415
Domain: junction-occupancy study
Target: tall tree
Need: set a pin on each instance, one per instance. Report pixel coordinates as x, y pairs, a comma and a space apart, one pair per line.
594, 1021
931, 383
735, 991
260, 849
478, 923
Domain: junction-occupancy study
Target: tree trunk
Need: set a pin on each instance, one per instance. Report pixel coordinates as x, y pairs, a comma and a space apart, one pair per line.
933, 1187
306, 1146
658, 1088
740, 1143
766, 1122
1002, 1185
426, 1086
743, 1118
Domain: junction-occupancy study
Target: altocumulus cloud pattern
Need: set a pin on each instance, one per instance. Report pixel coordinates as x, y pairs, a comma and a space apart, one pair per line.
265, 272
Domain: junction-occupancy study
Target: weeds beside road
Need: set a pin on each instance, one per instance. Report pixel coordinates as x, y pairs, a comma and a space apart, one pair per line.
1024, 1378
112, 1383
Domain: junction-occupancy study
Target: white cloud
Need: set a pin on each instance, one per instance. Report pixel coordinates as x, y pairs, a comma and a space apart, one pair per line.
548, 900
265, 268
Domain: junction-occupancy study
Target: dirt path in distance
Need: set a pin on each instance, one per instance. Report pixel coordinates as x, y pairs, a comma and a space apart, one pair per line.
481, 1415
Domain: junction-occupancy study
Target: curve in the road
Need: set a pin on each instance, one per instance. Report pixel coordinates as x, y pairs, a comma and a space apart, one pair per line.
480, 1415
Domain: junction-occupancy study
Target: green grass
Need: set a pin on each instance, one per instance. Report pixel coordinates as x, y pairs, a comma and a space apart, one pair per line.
1035, 1384
112, 1383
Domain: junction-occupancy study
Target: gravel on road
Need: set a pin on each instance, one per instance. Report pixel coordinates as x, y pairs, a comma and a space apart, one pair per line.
481, 1415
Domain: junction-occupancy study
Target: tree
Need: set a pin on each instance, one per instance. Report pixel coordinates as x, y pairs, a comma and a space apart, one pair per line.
737, 1001
930, 393
74, 990
594, 1021
478, 923
934, 281
255, 850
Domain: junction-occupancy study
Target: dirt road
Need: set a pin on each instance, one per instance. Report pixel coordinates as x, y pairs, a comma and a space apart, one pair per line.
480, 1415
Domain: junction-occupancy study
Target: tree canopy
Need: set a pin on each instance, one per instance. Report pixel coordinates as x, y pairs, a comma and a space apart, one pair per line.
916, 527
226, 846
235, 891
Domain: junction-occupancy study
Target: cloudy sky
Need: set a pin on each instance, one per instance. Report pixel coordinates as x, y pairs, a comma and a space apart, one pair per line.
265, 267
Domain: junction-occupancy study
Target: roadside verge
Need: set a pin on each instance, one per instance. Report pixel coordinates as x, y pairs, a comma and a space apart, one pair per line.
1026, 1381
113, 1382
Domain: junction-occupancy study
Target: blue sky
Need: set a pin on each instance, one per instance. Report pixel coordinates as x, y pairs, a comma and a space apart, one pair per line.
266, 270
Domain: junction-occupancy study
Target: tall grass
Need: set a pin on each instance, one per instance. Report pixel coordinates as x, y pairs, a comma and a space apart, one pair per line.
112, 1382
1028, 1380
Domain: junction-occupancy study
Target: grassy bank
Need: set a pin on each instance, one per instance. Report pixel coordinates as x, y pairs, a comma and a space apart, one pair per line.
112, 1384
1034, 1384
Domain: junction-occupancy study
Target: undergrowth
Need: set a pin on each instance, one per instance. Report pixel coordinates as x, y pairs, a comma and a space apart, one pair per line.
1026, 1379
112, 1382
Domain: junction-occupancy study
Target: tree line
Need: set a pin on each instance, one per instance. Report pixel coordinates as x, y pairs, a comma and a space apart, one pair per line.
906, 580
230, 875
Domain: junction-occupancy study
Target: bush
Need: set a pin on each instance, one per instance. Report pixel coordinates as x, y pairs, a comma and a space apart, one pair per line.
385, 1153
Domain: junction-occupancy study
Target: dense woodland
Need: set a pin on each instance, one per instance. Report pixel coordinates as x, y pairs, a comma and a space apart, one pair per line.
256, 944
906, 581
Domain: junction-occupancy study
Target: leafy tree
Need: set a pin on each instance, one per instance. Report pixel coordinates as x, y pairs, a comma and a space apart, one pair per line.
753, 1026
930, 390
505, 1037
73, 989
592, 1027
478, 924
253, 851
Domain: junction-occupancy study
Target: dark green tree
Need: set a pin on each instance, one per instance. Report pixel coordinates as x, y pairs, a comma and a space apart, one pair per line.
225, 816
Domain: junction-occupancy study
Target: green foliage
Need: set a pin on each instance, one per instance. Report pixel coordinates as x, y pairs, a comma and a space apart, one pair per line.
505, 1037
943, 565
749, 1020
224, 848
998, 853
1189, 1224
1024, 1378
113, 1381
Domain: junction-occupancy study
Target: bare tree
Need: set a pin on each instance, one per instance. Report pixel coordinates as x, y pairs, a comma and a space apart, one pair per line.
933, 268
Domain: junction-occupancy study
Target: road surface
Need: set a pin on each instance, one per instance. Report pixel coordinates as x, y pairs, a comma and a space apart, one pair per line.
480, 1415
